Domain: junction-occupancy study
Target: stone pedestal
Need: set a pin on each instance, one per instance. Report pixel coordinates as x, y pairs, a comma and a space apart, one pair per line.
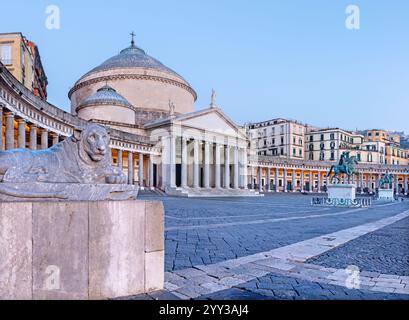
341, 191
386, 195
80, 250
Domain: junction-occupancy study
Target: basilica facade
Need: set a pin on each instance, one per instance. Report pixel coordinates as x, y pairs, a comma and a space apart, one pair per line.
157, 136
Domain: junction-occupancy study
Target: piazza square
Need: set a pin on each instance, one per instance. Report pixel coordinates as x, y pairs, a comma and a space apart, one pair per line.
136, 192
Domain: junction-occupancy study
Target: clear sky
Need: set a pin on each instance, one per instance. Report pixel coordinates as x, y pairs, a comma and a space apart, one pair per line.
265, 59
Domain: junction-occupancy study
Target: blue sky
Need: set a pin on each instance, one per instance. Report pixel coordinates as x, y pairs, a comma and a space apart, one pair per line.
265, 59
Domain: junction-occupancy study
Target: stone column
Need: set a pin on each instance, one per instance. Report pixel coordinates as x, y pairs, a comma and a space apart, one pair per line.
252, 177
1, 127
9, 130
396, 183
319, 181
310, 177
195, 163
236, 167
183, 179
55, 138
206, 165
285, 179
33, 137
406, 184
141, 184
260, 187
276, 180
302, 180
268, 179
370, 184
361, 181
44, 139
293, 181
120, 159
151, 182
244, 169
21, 124
172, 165
217, 171
130, 168
227, 166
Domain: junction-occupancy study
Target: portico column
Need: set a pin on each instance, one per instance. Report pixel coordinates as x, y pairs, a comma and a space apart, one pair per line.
172, 169
55, 138
195, 163
217, 172
206, 171
285, 183
130, 168
1, 127
397, 183
21, 133
227, 166
183, 179
302, 180
120, 159
9, 130
293, 181
244, 169
33, 137
44, 139
236, 167
406, 184
268, 182
252, 177
276, 180
260, 187
319, 181
141, 185
311, 181
151, 183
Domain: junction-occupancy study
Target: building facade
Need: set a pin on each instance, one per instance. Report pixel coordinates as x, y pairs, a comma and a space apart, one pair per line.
22, 59
161, 142
278, 138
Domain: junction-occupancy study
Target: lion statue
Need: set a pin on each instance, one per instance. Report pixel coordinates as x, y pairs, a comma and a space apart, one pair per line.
85, 157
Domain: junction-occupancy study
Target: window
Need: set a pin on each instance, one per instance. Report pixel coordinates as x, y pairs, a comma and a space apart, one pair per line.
311, 147
282, 140
273, 141
311, 156
358, 156
5, 51
322, 146
311, 138
332, 155
282, 151
322, 156
332, 136
300, 152
322, 137
332, 145
294, 151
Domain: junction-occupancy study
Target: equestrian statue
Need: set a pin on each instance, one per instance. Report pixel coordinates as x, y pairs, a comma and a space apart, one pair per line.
386, 180
346, 165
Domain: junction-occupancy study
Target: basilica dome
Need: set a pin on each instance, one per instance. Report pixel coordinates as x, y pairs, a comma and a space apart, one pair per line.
141, 80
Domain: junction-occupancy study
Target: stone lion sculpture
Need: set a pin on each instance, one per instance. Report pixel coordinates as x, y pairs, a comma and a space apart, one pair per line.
85, 158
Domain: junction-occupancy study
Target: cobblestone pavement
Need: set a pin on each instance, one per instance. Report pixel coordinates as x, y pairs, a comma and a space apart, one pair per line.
207, 232
384, 251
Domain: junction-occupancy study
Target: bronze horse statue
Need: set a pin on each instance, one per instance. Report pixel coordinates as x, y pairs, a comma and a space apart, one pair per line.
387, 179
346, 165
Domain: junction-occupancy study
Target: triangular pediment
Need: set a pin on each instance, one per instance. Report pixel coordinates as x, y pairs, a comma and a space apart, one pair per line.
212, 120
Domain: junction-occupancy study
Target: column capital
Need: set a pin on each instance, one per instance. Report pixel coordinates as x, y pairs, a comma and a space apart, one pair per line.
8, 114
21, 120
32, 125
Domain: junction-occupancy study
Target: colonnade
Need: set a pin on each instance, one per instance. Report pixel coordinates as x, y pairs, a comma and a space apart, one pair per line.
292, 179
27, 134
203, 164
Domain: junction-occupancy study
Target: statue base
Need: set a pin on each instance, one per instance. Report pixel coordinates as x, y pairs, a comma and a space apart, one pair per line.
80, 250
40, 191
386, 195
341, 195
341, 191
